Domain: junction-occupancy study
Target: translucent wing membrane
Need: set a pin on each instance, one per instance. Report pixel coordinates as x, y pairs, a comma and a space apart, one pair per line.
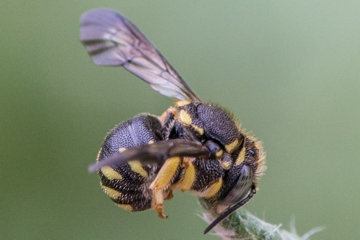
113, 40
157, 152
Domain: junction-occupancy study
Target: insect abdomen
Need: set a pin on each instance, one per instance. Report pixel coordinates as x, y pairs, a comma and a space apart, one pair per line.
127, 184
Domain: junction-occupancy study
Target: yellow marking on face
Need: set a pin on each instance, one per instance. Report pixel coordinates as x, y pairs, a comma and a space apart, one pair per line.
111, 192
219, 153
151, 142
213, 189
126, 207
189, 177
137, 167
226, 164
182, 103
241, 156
122, 149
166, 173
110, 173
231, 146
185, 118
198, 129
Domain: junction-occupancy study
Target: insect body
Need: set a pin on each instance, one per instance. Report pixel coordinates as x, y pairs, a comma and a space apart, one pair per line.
193, 146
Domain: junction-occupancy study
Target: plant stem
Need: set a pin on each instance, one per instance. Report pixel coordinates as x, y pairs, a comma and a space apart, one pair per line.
243, 225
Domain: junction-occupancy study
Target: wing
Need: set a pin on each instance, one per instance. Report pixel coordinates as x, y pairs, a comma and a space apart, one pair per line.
113, 40
157, 152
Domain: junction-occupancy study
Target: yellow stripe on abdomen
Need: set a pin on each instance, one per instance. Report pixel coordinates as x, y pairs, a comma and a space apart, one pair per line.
113, 194
110, 173
212, 190
137, 167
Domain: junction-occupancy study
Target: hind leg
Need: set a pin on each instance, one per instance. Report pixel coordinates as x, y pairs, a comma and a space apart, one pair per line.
160, 186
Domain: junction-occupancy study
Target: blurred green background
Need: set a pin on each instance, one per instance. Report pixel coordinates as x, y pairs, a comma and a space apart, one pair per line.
288, 70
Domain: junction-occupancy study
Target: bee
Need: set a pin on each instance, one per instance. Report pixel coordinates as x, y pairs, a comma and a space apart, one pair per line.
193, 146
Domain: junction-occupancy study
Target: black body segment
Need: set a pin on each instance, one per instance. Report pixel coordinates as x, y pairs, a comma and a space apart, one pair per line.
215, 122
137, 131
207, 172
132, 187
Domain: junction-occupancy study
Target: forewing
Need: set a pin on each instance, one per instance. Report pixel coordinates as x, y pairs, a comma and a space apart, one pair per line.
113, 40
157, 152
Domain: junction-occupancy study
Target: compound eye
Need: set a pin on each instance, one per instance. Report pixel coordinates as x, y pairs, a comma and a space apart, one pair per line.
214, 148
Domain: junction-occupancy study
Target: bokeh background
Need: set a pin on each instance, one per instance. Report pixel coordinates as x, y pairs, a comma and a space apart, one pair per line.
288, 70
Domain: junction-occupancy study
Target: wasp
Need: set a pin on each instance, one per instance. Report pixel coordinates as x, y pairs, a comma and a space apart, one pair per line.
193, 146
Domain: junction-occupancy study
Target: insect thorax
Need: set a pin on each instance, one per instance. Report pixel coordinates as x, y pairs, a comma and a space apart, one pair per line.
236, 160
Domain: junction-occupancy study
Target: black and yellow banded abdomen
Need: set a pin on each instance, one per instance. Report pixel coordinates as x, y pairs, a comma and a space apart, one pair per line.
127, 183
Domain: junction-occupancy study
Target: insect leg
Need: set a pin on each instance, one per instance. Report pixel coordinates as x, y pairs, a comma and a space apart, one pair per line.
188, 177
162, 182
